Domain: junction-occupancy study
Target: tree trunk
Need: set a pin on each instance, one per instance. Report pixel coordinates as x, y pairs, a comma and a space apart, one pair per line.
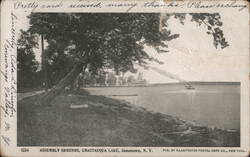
56, 90
44, 66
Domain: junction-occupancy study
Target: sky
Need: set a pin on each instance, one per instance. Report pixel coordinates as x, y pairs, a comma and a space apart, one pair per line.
192, 56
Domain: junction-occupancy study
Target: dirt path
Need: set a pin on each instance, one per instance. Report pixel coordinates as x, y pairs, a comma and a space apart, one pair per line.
20, 96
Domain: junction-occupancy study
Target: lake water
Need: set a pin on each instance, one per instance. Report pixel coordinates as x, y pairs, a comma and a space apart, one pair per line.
209, 105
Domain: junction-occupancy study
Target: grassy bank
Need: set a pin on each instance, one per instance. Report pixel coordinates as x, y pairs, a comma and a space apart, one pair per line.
108, 122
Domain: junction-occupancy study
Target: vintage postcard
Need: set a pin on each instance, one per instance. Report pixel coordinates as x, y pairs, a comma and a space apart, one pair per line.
124, 78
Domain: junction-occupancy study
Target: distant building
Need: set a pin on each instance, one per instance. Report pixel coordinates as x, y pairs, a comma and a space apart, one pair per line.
111, 79
140, 81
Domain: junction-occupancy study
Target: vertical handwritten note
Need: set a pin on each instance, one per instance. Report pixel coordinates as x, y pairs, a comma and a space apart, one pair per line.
9, 82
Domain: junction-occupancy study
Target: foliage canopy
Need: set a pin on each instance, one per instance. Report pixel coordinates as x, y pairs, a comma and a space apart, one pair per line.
113, 40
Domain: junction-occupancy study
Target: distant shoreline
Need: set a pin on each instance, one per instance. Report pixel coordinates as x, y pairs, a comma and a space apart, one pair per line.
197, 83
173, 83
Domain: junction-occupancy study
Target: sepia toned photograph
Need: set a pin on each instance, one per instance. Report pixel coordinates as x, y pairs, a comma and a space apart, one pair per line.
128, 80
124, 78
